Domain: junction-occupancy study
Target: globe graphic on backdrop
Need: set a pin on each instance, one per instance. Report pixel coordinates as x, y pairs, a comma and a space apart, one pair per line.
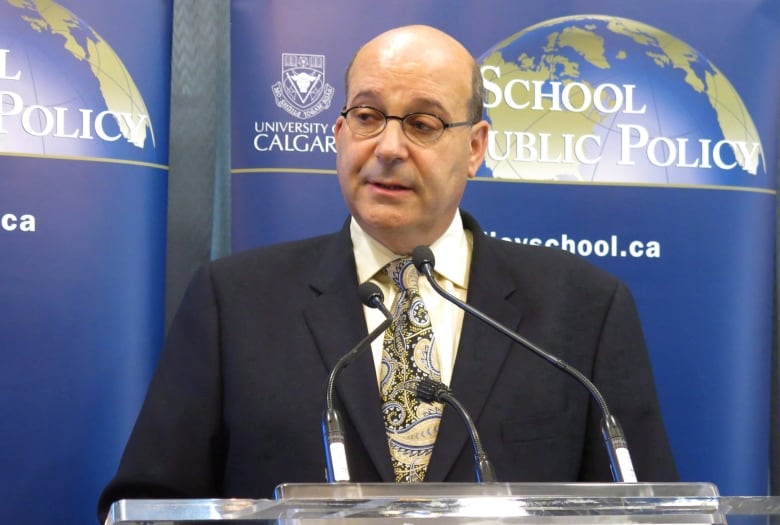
609, 100
64, 89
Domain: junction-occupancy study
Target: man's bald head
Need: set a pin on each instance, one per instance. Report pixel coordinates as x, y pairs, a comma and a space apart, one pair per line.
422, 42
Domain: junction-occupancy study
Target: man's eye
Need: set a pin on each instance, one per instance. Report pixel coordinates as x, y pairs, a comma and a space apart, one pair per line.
423, 124
366, 115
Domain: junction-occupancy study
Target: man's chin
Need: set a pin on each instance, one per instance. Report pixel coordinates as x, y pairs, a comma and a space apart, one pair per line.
398, 234
395, 223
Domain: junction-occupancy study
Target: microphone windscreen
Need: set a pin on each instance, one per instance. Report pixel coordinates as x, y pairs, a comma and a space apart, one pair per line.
369, 292
421, 256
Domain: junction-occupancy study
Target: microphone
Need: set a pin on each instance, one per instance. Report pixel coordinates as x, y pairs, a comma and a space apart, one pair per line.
332, 430
620, 460
429, 390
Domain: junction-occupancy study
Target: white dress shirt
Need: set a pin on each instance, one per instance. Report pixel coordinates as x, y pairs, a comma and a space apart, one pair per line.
453, 259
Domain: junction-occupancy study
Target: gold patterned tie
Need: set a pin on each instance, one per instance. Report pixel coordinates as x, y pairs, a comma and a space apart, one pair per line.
408, 356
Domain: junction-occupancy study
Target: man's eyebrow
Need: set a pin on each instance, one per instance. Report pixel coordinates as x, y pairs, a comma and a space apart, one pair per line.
419, 105
364, 94
430, 104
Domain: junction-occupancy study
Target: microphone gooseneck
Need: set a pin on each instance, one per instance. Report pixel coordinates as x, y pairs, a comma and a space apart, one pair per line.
337, 468
429, 390
371, 296
617, 449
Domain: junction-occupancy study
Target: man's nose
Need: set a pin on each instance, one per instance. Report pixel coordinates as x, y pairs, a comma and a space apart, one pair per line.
392, 141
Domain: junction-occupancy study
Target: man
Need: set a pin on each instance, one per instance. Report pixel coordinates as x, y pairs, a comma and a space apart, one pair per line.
235, 406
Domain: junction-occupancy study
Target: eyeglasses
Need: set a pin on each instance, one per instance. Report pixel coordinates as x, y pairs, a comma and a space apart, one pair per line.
421, 128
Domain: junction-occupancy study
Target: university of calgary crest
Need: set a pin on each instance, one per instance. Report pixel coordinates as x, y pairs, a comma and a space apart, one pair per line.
302, 91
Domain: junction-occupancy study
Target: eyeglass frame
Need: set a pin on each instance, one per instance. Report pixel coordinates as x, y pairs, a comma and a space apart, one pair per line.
402, 120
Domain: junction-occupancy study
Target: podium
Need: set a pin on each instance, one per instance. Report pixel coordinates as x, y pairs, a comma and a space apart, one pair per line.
461, 503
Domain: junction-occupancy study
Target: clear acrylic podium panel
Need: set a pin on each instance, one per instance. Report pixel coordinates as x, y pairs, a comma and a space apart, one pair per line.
462, 503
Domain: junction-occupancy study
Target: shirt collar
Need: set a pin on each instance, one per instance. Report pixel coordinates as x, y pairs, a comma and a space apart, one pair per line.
452, 252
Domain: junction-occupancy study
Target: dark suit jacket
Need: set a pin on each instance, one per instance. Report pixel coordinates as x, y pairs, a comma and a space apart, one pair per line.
235, 405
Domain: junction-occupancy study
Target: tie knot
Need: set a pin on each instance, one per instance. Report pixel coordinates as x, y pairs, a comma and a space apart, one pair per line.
403, 273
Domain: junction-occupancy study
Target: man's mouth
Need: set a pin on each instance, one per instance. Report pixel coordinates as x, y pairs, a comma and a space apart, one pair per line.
390, 186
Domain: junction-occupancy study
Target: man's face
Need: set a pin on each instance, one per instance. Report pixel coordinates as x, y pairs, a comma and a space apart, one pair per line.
402, 193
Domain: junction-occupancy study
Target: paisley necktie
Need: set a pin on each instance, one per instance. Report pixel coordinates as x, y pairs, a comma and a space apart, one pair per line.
407, 356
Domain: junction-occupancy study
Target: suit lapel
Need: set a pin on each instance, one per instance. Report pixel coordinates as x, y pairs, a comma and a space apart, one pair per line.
481, 352
335, 318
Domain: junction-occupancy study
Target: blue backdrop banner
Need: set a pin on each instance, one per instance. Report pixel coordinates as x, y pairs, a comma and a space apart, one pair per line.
84, 87
641, 136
